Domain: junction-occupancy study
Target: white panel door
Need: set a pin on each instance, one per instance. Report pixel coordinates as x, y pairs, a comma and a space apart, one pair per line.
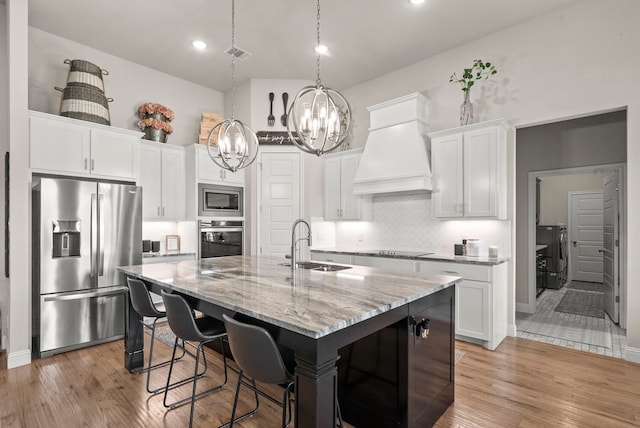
481, 173
332, 188
173, 184
446, 162
151, 181
610, 247
586, 236
280, 202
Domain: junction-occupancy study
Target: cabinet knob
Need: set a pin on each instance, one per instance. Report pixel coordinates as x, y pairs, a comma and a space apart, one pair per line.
93, 164
86, 161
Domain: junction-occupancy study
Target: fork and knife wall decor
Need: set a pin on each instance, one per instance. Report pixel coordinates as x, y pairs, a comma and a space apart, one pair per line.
271, 119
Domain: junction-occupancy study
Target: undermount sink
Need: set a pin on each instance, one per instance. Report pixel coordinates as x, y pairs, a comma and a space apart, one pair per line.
324, 267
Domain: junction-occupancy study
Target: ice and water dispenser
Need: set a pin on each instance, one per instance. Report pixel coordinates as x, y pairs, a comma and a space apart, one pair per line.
66, 238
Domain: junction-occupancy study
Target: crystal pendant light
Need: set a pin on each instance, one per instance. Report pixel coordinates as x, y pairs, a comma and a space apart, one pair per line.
237, 144
319, 119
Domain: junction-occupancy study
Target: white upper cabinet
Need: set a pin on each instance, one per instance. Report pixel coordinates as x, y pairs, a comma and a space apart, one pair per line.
210, 172
60, 145
162, 177
339, 201
470, 171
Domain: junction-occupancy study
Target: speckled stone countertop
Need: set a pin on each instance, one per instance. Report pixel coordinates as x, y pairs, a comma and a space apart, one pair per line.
424, 257
312, 303
170, 254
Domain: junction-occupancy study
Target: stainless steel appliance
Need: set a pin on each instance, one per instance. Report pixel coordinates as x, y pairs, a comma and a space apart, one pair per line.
554, 256
82, 231
219, 238
219, 201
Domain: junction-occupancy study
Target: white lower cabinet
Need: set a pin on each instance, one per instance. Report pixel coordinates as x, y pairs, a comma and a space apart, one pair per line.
481, 299
401, 265
345, 259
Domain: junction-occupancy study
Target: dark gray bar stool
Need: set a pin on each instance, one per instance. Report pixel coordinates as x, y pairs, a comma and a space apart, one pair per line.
259, 358
191, 330
144, 306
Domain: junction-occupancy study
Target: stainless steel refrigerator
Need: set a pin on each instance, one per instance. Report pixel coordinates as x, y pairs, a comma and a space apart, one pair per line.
82, 231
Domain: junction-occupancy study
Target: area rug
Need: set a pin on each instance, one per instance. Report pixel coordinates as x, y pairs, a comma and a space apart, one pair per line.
580, 302
164, 335
571, 331
597, 287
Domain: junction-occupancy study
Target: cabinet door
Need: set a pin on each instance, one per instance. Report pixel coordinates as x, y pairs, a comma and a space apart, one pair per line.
173, 184
59, 147
447, 171
208, 170
331, 257
351, 205
385, 263
332, 187
481, 173
151, 181
114, 154
473, 309
233, 178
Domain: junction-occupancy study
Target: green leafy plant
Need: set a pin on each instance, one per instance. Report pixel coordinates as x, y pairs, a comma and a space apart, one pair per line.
479, 70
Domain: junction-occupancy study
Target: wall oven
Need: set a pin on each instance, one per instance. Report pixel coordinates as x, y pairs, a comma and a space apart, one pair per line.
219, 201
219, 238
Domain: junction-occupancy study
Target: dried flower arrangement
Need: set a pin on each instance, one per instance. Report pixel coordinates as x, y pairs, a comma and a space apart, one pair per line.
153, 108
157, 124
149, 109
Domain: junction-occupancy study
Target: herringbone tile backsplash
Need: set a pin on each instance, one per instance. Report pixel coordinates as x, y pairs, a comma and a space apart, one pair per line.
406, 223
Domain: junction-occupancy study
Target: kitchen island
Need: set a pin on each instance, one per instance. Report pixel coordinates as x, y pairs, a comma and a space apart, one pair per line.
321, 315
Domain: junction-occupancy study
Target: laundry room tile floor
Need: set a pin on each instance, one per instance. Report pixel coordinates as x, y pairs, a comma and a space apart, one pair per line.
571, 330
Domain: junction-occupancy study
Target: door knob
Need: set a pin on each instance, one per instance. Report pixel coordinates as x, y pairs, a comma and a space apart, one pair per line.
574, 243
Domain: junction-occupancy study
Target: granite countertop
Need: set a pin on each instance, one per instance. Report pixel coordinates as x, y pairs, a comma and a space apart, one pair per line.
425, 257
312, 303
170, 254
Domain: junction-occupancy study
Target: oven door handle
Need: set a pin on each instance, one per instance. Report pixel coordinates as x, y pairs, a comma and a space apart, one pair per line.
221, 229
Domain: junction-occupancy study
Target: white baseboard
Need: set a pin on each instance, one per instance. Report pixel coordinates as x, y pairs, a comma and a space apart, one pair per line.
524, 307
20, 358
512, 330
632, 354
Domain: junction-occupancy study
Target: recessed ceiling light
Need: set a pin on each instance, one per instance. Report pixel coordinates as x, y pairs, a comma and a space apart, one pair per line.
416, 1
322, 49
199, 44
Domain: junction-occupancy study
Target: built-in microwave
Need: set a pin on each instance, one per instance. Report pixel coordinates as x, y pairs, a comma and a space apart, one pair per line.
219, 201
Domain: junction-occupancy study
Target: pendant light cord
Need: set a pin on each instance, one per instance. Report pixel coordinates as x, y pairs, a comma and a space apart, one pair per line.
233, 59
318, 81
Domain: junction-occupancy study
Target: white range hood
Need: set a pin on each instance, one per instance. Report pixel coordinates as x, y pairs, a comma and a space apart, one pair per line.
396, 156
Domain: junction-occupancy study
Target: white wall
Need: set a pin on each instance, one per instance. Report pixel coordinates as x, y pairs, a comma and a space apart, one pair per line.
572, 62
554, 202
128, 83
4, 147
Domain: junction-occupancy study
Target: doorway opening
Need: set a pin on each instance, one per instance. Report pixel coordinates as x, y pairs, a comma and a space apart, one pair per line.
560, 293
569, 285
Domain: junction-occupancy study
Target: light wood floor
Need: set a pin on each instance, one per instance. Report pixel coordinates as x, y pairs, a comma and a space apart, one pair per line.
521, 384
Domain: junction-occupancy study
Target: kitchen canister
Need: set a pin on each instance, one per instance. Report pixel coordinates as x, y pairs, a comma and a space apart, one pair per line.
493, 251
473, 247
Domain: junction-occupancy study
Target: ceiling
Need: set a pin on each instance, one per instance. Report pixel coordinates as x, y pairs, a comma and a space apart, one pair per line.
366, 38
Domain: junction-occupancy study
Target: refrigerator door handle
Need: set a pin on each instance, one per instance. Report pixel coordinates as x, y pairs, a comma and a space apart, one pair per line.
84, 294
101, 220
94, 232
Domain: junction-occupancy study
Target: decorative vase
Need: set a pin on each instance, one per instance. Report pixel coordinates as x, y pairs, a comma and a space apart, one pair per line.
466, 110
154, 134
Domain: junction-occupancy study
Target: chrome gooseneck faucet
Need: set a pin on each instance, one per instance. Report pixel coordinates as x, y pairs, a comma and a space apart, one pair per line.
294, 241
